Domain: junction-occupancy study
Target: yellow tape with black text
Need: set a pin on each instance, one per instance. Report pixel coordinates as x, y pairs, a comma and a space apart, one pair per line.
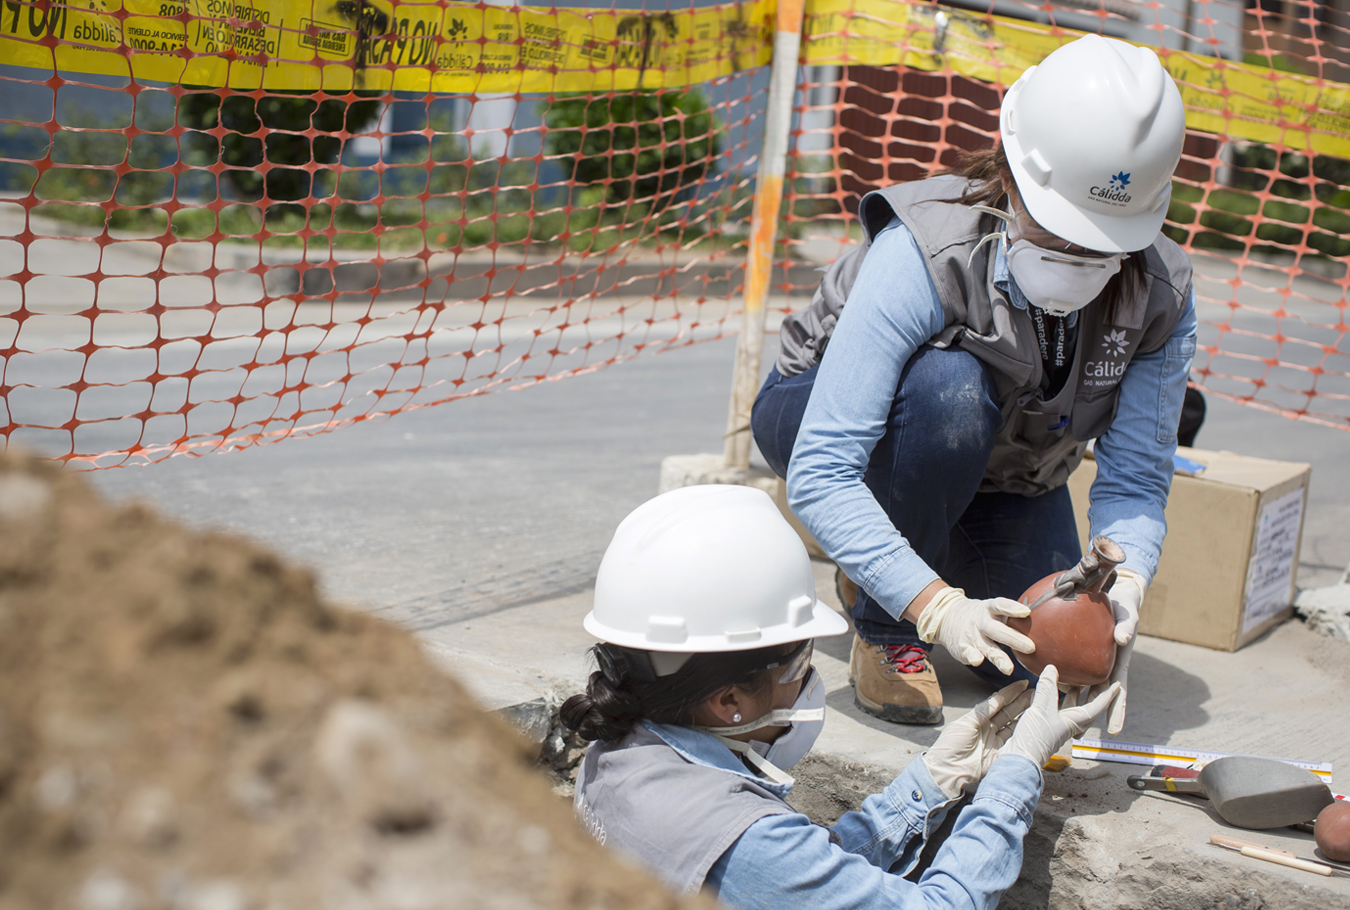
338, 45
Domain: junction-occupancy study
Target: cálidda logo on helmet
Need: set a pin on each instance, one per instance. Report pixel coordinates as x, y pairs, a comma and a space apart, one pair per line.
1114, 191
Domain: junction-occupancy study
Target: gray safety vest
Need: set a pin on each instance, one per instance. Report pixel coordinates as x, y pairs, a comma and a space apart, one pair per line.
1041, 442
674, 817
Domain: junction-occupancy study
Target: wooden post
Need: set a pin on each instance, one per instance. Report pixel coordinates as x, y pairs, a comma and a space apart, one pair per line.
763, 230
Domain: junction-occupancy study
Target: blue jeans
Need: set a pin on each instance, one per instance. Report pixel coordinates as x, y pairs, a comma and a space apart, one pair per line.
925, 472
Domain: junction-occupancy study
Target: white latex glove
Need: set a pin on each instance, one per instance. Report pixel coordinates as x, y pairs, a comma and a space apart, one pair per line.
1043, 729
1126, 596
971, 630
965, 750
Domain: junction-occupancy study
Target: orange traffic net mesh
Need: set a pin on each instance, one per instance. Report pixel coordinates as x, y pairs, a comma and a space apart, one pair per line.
225, 223
1261, 200
222, 224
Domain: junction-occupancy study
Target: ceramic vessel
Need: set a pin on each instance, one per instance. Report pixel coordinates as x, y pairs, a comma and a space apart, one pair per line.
1332, 831
1071, 620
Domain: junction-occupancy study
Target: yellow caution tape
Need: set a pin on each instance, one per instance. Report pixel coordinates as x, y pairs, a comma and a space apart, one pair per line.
1238, 100
337, 45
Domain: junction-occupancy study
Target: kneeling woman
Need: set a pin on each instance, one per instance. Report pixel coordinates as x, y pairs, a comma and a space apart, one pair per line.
706, 611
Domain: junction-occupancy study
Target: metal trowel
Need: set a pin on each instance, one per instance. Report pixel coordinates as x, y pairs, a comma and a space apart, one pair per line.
1250, 792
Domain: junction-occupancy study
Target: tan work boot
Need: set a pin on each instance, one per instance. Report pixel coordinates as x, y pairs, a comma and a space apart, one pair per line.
895, 683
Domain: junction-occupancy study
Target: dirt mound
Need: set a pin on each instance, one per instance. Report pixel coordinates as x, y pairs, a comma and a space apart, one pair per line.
184, 724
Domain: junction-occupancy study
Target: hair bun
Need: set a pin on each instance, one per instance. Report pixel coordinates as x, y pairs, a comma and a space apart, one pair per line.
604, 712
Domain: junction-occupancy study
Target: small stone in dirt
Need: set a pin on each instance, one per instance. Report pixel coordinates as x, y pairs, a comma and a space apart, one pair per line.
255, 796
58, 788
534, 840
222, 894
367, 757
105, 890
151, 817
22, 495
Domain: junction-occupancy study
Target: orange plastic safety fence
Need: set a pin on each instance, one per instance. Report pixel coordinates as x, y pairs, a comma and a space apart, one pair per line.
222, 224
1261, 200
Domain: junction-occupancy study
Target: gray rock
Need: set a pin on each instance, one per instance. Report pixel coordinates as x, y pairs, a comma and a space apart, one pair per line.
1326, 610
534, 719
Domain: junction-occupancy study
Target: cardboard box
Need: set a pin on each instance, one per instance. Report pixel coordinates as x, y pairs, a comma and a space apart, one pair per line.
1228, 565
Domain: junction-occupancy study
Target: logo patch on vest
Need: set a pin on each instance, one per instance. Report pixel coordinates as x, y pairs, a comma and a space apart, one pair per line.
1107, 371
590, 822
1114, 192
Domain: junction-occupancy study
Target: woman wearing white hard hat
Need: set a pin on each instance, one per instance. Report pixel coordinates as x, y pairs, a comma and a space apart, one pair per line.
705, 695
999, 318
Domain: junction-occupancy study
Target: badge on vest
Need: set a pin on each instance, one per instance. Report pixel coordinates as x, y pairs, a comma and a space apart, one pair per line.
1115, 342
1107, 360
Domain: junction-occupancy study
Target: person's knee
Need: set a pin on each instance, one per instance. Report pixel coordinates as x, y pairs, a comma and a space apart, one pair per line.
763, 429
968, 422
776, 416
958, 400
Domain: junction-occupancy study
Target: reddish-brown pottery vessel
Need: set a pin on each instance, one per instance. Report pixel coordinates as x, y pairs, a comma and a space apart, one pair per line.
1071, 620
1332, 832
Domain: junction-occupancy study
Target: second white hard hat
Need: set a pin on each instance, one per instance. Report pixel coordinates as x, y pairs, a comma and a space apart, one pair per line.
707, 568
1093, 135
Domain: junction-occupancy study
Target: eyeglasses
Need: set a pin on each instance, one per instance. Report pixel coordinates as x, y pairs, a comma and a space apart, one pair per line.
795, 663
1026, 228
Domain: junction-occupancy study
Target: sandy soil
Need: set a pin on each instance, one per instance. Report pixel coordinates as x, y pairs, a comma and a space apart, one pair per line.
185, 725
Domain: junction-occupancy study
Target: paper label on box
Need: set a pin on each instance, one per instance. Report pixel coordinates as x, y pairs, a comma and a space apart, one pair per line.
1271, 570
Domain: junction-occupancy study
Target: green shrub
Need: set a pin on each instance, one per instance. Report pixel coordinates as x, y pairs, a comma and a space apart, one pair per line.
648, 145
1296, 203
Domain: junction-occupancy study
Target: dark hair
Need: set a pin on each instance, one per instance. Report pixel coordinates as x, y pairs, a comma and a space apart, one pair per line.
613, 703
989, 173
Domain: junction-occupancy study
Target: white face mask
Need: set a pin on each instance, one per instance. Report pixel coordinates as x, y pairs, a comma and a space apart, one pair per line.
806, 718
1059, 283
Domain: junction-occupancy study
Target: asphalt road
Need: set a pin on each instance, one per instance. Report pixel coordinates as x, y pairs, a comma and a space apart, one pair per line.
467, 507
464, 509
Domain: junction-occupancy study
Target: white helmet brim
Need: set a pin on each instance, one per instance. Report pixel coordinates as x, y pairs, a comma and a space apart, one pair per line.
824, 622
1090, 230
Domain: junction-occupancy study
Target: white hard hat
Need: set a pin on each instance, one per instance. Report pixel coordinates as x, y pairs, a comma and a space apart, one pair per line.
705, 568
1093, 135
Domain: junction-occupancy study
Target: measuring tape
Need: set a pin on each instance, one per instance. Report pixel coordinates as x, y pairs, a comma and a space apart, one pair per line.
1146, 754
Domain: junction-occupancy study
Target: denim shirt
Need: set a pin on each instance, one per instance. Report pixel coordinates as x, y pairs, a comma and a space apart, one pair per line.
859, 862
893, 309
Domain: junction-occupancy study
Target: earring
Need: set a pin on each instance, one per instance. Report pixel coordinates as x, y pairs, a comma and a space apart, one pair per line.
735, 718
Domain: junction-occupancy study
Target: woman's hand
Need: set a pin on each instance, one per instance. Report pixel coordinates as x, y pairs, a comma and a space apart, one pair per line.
1043, 729
1126, 596
971, 630
965, 750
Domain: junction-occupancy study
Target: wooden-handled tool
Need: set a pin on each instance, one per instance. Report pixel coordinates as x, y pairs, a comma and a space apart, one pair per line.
1274, 855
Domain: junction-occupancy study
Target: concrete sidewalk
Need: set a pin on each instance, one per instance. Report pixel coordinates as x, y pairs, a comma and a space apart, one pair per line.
1096, 843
